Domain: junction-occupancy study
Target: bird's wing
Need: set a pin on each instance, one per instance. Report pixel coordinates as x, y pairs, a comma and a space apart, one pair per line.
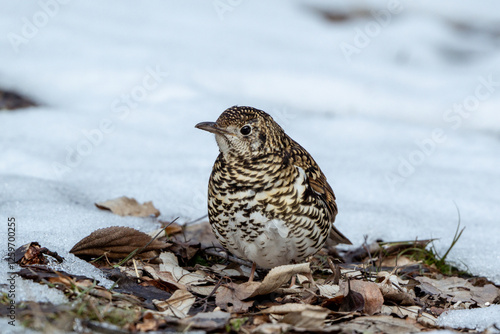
318, 183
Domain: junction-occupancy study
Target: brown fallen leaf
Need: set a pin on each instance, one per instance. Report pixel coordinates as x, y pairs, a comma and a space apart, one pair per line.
161, 284
64, 281
373, 299
33, 253
397, 261
11, 100
293, 308
227, 299
170, 264
392, 289
273, 280
328, 290
300, 315
125, 206
207, 321
170, 229
178, 305
116, 242
201, 233
309, 319
353, 300
149, 322
380, 324
235, 294
456, 289
412, 312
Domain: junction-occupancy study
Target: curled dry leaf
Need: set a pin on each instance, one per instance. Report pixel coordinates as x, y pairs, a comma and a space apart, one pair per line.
234, 294
125, 206
116, 242
178, 305
352, 302
392, 289
273, 280
180, 275
373, 299
33, 253
30, 254
165, 277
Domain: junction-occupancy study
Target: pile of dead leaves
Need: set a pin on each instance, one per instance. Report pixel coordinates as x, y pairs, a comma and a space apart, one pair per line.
11, 100
183, 281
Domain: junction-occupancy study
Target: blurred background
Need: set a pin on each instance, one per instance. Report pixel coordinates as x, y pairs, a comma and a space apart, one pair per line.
398, 102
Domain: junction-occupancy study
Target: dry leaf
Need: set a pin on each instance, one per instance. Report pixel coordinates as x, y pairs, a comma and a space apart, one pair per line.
397, 261
11, 100
456, 289
276, 328
171, 229
178, 305
125, 206
380, 324
149, 322
231, 270
311, 316
180, 275
328, 290
227, 299
203, 290
115, 242
373, 299
412, 312
294, 307
207, 321
201, 233
164, 277
273, 280
392, 289
32, 253
352, 302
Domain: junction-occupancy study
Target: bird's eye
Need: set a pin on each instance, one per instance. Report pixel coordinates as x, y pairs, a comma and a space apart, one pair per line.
246, 130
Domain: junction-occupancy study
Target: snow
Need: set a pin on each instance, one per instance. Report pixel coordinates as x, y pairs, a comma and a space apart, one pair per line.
479, 319
406, 128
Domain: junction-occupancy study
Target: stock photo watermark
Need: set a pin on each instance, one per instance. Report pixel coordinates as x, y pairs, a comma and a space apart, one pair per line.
282, 115
121, 108
11, 280
363, 37
453, 118
222, 7
31, 25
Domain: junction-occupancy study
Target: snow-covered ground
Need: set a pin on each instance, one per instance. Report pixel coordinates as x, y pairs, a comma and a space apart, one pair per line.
397, 101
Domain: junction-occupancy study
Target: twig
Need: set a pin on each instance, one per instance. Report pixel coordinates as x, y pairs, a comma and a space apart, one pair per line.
213, 252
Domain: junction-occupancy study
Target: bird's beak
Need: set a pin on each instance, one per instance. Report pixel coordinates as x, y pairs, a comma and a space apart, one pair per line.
211, 127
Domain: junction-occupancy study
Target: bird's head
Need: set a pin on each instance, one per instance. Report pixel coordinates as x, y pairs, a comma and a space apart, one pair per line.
245, 132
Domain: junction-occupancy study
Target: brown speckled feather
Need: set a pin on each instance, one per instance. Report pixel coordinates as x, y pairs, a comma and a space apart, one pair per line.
268, 200
319, 184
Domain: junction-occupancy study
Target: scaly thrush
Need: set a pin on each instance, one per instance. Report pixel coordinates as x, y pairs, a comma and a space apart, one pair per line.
268, 200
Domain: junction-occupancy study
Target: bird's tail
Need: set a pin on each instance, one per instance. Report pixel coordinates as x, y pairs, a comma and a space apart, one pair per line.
337, 237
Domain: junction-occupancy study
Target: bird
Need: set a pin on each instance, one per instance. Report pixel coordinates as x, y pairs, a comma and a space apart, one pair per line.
268, 200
